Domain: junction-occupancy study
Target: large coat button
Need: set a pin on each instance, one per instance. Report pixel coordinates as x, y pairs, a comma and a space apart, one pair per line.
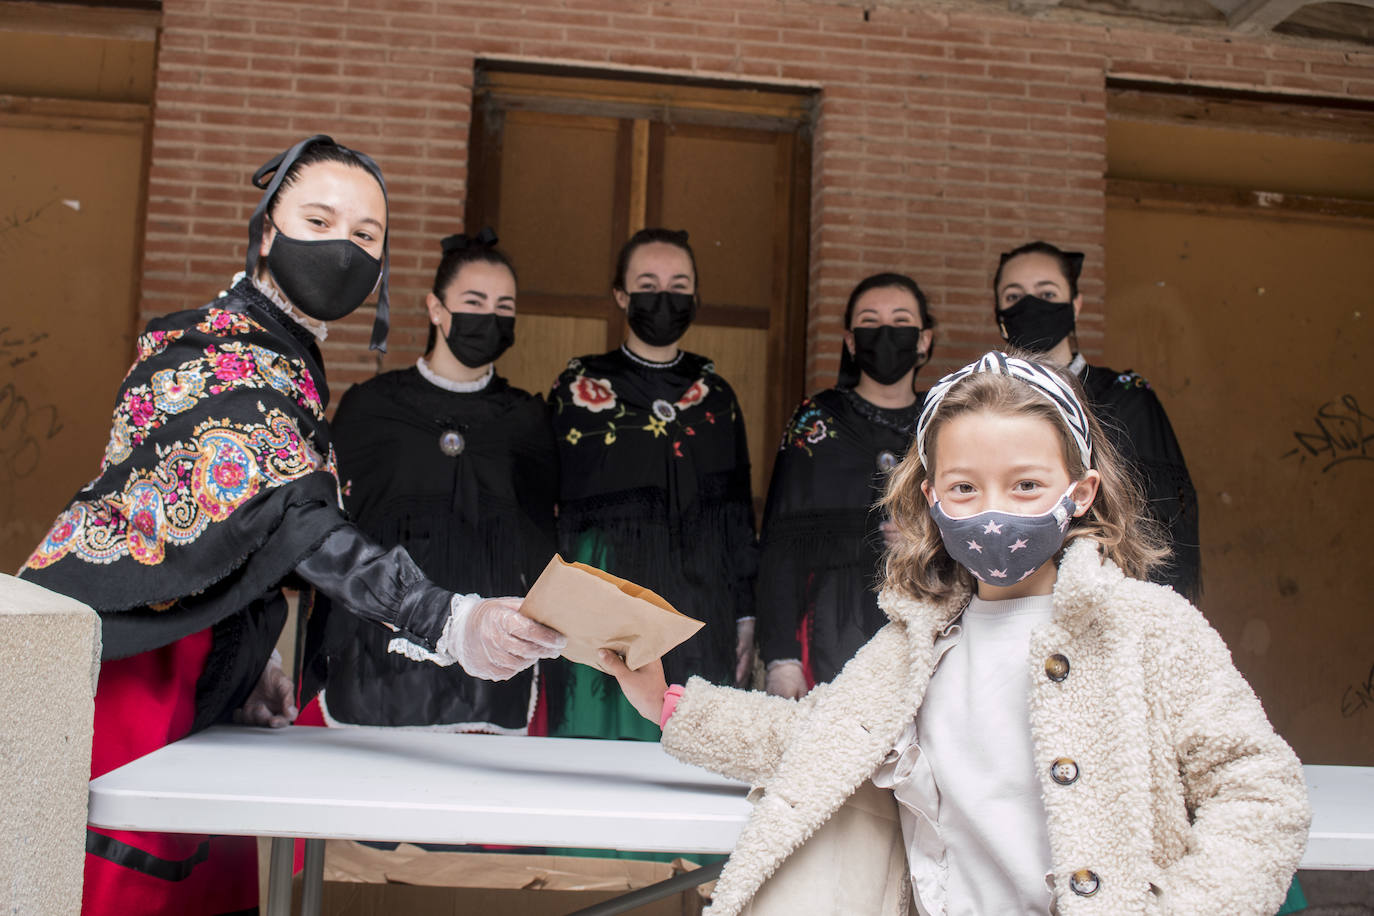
1064, 771
1056, 667
1084, 883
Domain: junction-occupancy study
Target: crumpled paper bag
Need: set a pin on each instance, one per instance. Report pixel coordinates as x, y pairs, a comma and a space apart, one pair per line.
597, 610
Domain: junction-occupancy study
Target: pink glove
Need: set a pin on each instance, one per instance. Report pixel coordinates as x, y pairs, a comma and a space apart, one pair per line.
491, 639
272, 704
785, 679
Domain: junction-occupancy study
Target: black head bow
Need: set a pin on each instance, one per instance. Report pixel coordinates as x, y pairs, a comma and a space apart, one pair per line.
1072, 260
278, 167
485, 238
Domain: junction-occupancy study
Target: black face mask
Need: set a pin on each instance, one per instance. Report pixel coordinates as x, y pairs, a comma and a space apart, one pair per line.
327, 279
1036, 325
476, 339
661, 318
887, 352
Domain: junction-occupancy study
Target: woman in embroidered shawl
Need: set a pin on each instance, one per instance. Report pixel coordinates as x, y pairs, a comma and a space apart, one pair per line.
451, 462
822, 540
655, 485
217, 487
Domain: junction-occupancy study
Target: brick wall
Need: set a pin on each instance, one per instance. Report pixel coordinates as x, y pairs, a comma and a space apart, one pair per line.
945, 135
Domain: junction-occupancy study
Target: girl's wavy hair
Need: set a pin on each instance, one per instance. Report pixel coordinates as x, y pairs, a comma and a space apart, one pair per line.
921, 567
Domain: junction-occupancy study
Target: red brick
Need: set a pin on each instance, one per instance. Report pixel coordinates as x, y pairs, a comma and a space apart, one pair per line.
1308, 83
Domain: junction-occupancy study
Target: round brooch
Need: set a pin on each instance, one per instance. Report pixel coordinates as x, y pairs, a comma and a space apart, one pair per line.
451, 443
664, 411
886, 460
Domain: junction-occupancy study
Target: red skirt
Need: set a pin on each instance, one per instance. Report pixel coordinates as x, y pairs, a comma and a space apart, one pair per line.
142, 703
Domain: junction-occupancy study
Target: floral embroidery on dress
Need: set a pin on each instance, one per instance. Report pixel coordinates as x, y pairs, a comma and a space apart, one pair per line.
694, 395
810, 426
1130, 379
197, 481
662, 418
593, 394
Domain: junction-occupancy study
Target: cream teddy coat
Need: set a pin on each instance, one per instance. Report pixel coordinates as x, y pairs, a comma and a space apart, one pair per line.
1186, 800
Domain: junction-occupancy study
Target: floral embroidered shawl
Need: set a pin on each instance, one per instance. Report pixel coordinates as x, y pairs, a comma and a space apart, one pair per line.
217, 444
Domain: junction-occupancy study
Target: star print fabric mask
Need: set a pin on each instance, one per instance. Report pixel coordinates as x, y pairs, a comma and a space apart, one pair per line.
1001, 548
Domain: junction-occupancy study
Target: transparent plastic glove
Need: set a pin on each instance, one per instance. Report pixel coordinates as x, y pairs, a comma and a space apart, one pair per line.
491, 639
272, 704
744, 651
785, 679
643, 688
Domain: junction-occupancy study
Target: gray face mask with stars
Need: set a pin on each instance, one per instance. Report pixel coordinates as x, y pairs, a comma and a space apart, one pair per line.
1001, 548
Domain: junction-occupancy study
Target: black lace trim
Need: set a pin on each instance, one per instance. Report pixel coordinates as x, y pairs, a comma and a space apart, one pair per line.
898, 419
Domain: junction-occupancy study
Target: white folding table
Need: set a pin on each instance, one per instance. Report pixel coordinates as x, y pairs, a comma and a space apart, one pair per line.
393, 785
421, 787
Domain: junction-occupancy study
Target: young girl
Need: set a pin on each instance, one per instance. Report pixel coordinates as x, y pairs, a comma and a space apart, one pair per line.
1059, 735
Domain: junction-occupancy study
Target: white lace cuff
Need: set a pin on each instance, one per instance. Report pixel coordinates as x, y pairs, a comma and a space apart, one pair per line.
450, 641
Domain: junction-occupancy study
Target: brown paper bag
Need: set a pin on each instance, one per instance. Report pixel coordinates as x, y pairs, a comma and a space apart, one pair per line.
597, 610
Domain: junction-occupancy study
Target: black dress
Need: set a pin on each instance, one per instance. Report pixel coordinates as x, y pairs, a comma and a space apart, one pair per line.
821, 560
1135, 421
466, 482
655, 488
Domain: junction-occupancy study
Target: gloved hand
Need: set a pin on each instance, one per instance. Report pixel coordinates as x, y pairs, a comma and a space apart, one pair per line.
491, 639
744, 651
272, 704
785, 679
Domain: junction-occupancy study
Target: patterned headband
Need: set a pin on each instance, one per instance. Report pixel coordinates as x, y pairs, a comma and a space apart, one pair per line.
1044, 380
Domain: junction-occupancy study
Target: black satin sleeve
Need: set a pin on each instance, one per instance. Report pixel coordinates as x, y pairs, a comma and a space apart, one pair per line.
378, 584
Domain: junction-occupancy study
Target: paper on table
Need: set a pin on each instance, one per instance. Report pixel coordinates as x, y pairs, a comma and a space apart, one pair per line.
597, 610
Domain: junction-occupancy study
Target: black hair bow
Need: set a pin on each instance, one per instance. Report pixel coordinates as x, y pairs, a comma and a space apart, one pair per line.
486, 238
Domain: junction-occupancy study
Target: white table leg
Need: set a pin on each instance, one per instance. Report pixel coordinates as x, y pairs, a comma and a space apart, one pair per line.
279, 876
312, 878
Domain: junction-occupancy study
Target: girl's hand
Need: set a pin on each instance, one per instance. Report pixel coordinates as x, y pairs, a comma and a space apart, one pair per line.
643, 688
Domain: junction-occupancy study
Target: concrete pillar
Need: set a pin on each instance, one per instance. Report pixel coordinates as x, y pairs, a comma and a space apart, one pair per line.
49, 661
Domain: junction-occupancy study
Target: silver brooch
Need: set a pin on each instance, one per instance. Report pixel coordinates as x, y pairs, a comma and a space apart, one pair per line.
886, 460
451, 443
664, 411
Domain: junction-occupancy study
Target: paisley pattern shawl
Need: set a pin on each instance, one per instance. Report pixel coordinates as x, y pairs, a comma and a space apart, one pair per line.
218, 432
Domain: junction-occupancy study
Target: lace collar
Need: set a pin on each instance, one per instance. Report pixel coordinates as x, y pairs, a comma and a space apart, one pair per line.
439, 381
318, 329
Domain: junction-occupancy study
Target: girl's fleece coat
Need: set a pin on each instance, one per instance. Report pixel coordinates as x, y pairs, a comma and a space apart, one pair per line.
1187, 801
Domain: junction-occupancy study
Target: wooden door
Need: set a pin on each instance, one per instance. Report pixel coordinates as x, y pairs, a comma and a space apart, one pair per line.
566, 168
71, 204
1238, 279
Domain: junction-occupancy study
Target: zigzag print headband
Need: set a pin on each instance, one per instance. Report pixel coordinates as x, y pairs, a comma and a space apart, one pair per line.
1043, 380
